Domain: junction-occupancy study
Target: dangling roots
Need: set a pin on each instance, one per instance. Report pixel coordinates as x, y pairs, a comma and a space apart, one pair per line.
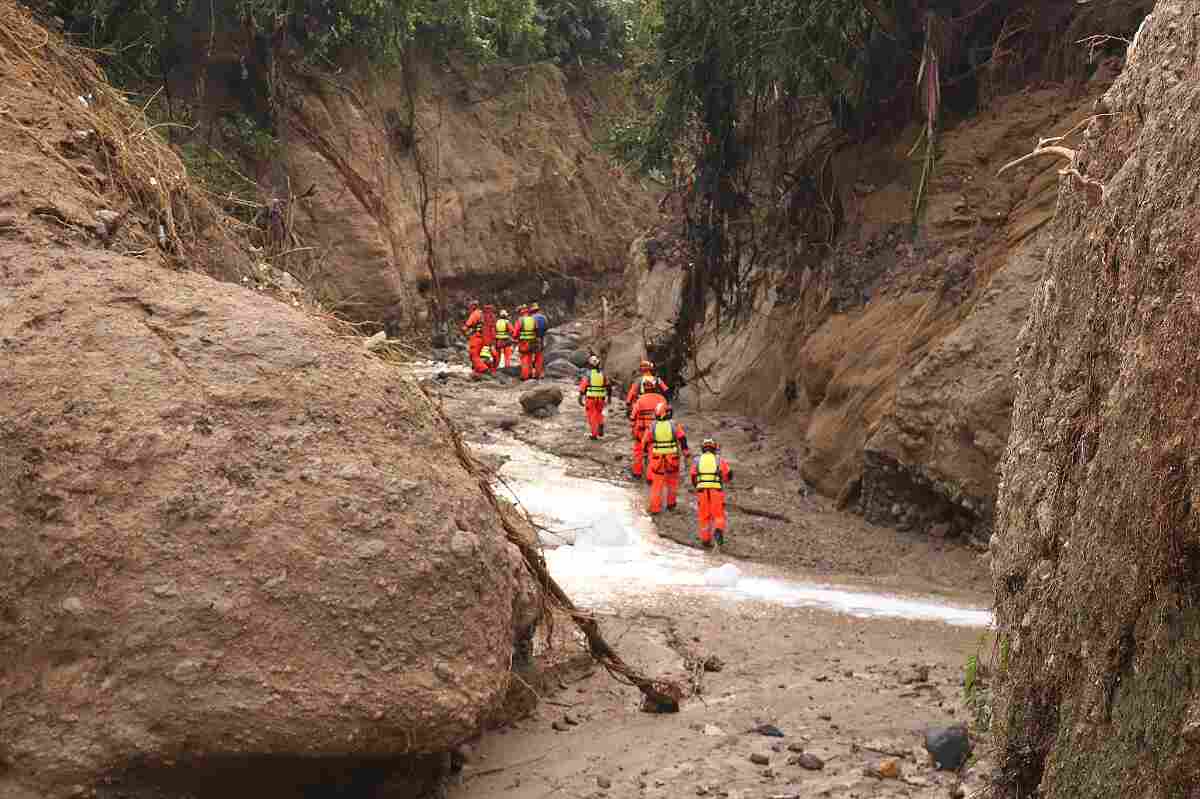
659, 696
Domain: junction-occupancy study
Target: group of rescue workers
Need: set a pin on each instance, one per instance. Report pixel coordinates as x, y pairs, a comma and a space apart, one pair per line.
660, 445
491, 337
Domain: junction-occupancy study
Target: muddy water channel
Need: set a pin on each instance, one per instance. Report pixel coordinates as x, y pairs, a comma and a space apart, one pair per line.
608, 553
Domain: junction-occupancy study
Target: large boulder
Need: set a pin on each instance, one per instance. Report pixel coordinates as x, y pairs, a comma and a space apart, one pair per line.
227, 534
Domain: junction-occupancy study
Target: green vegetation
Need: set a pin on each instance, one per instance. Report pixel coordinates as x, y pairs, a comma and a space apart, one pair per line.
147, 39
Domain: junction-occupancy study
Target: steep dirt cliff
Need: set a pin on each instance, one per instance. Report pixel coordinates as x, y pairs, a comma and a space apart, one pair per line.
891, 360
237, 549
490, 172
1096, 556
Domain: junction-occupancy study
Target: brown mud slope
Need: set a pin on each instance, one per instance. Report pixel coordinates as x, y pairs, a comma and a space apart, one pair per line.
229, 536
514, 189
890, 360
1097, 549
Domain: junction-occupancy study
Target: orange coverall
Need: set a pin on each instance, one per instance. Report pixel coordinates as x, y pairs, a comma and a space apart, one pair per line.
527, 345
710, 474
641, 417
635, 390
667, 442
473, 329
594, 393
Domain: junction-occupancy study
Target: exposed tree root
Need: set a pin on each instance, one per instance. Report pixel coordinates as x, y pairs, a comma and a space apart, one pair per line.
658, 695
1053, 146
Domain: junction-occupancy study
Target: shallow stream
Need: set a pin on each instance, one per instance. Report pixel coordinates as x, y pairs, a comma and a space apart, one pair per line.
608, 551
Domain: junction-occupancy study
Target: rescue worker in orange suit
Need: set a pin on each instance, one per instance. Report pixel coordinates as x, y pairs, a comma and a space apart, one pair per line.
646, 368
487, 356
710, 474
504, 340
473, 330
667, 443
527, 342
539, 357
641, 417
489, 327
595, 393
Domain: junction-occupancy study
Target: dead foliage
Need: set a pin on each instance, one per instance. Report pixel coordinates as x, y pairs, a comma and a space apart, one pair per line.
141, 164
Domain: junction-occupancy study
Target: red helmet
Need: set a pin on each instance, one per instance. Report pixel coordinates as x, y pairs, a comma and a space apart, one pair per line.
646, 366
662, 410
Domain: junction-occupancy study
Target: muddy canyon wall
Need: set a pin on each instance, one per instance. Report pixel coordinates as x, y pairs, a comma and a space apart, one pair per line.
888, 360
1096, 557
496, 171
217, 565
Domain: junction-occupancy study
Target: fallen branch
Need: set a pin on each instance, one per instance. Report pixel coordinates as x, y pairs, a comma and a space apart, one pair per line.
660, 696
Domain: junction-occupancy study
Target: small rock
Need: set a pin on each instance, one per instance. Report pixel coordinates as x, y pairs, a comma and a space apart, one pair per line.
72, 604
807, 761
558, 726
917, 674
604, 782
889, 769
825, 717
769, 730
569, 719
713, 731
542, 397
713, 663
759, 759
948, 746
796, 747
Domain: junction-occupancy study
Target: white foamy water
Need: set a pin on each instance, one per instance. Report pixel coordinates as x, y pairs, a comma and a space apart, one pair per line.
618, 555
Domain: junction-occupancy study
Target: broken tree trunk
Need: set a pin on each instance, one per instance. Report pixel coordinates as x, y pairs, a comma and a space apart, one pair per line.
658, 695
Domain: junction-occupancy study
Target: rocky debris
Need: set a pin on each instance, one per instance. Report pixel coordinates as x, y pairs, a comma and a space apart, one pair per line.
559, 726
551, 357
561, 369
713, 731
917, 674
713, 664
543, 398
604, 782
948, 746
807, 761
217, 439
769, 730
579, 359
759, 759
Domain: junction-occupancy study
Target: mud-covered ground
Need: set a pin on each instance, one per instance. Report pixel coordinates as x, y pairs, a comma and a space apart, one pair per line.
855, 692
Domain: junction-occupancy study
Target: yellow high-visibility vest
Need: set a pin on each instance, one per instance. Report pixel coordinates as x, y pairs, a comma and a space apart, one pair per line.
708, 471
503, 330
664, 439
597, 384
528, 328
